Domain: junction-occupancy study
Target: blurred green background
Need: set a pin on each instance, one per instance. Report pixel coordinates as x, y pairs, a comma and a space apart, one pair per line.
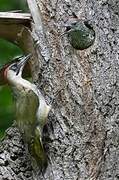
7, 52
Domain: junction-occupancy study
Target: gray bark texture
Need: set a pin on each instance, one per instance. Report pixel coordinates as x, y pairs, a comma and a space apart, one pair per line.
81, 137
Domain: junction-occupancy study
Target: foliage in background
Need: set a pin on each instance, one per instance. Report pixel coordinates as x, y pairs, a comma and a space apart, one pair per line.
10, 5
7, 52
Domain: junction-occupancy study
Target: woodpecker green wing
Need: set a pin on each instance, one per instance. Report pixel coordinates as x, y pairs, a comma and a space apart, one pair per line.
27, 104
37, 150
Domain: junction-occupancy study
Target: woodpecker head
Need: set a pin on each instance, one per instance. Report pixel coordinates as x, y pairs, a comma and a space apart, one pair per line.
81, 34
14, 70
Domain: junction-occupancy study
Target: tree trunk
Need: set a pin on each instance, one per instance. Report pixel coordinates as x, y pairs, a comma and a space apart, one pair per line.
81, 136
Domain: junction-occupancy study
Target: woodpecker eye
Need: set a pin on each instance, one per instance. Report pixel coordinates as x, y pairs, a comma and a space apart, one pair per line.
69, 27
74, 23
14, 67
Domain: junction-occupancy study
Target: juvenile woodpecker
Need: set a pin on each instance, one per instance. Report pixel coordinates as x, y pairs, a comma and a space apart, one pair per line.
81, 34
31, 109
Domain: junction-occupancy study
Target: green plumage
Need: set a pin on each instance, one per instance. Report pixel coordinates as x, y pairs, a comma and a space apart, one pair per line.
27, 103
30, 108
81, 35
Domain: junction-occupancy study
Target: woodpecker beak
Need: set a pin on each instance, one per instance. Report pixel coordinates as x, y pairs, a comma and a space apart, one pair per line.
70, 23
22, 63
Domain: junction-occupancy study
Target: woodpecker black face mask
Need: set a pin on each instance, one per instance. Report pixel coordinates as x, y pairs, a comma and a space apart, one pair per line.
22, 63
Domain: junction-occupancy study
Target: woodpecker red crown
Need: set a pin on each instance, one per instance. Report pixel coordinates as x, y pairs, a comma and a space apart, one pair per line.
3, 71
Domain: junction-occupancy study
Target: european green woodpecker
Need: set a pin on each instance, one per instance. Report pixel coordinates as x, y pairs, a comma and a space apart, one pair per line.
81, 34
26, 71
31, 109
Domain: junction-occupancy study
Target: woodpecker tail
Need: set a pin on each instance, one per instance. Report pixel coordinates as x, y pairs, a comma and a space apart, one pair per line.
37, 150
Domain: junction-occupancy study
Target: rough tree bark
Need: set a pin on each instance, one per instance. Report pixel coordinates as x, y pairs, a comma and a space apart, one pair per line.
81, 137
